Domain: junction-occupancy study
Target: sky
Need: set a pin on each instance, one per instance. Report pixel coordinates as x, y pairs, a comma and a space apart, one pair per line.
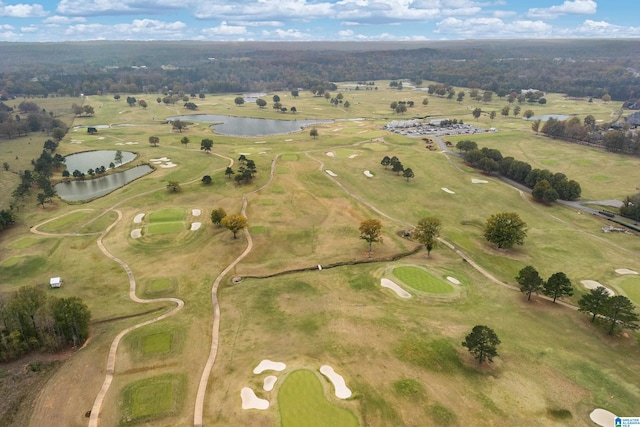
316, 20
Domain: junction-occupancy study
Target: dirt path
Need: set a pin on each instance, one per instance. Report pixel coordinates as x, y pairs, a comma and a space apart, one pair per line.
215, 328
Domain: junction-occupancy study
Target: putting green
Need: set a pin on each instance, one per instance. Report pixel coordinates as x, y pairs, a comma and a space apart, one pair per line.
167, 215
631, 287
421, 280
152, 398
302, 403
166, 227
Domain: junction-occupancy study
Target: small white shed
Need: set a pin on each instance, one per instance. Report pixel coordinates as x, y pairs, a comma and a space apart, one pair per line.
55, 282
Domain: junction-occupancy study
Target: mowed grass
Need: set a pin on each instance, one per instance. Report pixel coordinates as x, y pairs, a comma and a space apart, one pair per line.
167, 215
160, 228
421, 280
631, 287
149, 399
302, 403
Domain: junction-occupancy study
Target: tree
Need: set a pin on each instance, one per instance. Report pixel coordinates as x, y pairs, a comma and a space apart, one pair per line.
620, 311
143, 103
505, 229
276, 98
397, 167
57, 133
408, 173
528, 114
401, 108
261, 102
206, 180
460, 97
229, 172
425, 101
295, 110
238, 101
505, 111
557, 286
476, 113
466, 145
41, 199
529, 281
371, 232
178, 124
71, 319
234, 223
606, 98
206, 145
131, 101
427, 232
346, 105
295, 93
217, 215
154, 141
516, 110
386, 161
313, 133
184, 141
173, 186
482, 343
118, 157
594, 302
492, 115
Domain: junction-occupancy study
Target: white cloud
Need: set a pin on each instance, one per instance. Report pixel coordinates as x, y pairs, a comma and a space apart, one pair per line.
289, 34
280, 10
345, 33
493, 28
569, 7
29, 29
62, 20
591, 28
140, 29
226, 30
504, 14
103, 7
22, 10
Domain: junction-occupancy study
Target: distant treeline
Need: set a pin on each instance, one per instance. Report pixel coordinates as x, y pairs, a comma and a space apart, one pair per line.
575, 67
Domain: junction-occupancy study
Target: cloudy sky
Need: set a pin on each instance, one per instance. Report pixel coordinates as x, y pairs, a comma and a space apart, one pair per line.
307, 20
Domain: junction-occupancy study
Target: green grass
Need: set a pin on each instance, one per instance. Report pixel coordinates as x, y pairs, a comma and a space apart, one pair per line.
409, 388
152, 398
67, 223
157, 343
302, 402
375, 146
161, 228
421, 280
437, 355
257, 229
167, 215
631, 287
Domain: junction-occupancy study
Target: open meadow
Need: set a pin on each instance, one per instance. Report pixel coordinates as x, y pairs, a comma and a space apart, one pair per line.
297, 287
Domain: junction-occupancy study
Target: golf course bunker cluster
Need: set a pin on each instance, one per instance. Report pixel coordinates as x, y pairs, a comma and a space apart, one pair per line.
167, 221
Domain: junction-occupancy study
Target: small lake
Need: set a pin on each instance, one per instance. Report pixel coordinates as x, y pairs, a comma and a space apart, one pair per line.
249, 126
546, 117
94, 159
75, 191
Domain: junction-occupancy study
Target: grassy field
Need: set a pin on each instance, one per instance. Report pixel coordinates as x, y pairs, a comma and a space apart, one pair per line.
401, 358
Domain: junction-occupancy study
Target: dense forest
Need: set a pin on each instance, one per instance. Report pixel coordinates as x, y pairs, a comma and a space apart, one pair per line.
574, 67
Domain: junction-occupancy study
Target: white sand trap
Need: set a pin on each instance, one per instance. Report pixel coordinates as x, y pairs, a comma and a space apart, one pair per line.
76, 142
269, 382
337, 129
330, 173
386, 283
161, 159
592, 284
331, 154
342, 391
288, 140
245, 154
446, 190
196, 212
625, 271
155, 162
119, 143
251, 401
136, 233
602, 417
101, 137
195, 226
138, 218
479, 181
353, 156
168, 165
131, 143
368, 174
453, 280
268, 365
261, 142
262, 152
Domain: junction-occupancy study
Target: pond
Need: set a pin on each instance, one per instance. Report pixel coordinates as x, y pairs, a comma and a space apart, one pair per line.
249, 126
75, 191
548, 116
94, 159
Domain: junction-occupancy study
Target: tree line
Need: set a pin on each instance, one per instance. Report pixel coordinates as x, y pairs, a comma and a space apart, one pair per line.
546, 186
31, 319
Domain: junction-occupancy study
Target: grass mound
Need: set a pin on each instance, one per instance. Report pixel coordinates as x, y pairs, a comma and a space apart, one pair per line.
421, 280
302, 403
152, 398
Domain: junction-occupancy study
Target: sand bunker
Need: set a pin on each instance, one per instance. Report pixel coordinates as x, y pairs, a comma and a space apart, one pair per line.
331, 154
342, 391
602, 417
262, 152
337, 129
168, 165
625, 271
353, 156
136, 233
138, 218
161, 159
119, 143
251, 401
453, 280
386, 283
592, 284
269, 382
196, 212
195, 226
479, 181
131, 143
288, 140
101, 137
268, 365
261, 142
76, 141
330, 173
446, 190
368, 174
